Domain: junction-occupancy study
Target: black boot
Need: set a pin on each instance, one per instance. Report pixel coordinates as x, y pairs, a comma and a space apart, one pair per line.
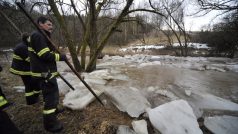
51, 123
59, 109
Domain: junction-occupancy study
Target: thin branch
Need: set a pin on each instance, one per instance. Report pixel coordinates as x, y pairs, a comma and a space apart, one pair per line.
78, 14
10, 21
145, 10
37, 4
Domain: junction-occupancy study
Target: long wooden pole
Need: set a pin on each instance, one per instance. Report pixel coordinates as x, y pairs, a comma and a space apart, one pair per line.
53, 45
20, 32
66, 81
5, 16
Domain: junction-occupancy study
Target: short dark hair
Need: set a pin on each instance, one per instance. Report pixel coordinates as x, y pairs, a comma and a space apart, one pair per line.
43, 19
24, 37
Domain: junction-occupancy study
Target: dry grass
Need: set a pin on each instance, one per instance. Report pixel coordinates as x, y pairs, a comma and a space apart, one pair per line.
94, 119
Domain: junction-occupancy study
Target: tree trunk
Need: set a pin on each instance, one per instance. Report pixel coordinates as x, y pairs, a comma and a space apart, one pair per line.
102, 43
93, 31
69, 40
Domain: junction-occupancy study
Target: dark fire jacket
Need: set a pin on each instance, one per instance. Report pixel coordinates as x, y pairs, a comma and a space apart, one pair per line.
21, 61
42, 56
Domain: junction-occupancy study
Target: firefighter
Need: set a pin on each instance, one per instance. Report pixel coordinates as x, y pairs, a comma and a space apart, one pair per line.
44, 70
6, 125
21, 66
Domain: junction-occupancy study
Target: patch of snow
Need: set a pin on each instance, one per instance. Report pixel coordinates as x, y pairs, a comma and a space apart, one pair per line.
141, 48
193, 45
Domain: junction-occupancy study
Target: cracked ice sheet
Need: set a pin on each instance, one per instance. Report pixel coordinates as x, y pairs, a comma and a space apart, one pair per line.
201, 101
81, 96
212, 102
79, 99
128, 100
222, 124
175, 117
98, 77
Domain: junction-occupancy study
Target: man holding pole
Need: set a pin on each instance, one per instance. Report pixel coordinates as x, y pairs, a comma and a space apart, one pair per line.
43, 68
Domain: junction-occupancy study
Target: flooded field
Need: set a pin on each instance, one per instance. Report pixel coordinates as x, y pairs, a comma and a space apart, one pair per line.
209, 85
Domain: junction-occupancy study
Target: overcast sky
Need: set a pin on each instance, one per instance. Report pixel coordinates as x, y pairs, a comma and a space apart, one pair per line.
197, 22
193, 23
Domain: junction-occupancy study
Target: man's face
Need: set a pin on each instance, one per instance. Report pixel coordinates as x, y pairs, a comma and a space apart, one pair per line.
47, 26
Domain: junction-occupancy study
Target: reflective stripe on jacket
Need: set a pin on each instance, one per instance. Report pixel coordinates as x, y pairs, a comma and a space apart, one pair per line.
42, 55
3, 101
21, 61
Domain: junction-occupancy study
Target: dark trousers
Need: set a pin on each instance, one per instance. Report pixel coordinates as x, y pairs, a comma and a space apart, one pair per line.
50, 93
27, 83
32, 89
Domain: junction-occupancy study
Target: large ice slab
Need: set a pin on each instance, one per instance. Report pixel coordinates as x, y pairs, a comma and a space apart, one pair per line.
128, 100
79, 99
195, 63
72, 79
107, 74
222, 124
175, 117
212, 102
98, 77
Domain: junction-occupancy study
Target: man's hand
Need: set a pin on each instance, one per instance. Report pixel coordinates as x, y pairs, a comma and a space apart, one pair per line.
68, 57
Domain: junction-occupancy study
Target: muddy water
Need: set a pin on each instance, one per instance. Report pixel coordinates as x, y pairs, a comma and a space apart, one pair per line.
222, 84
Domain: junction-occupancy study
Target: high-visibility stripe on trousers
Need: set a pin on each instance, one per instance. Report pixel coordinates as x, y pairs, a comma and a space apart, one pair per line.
50, 94
32, 89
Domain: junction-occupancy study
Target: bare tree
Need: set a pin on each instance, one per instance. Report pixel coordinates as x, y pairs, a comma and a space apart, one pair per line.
223, 36
174, 23
223, 5
91, 37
